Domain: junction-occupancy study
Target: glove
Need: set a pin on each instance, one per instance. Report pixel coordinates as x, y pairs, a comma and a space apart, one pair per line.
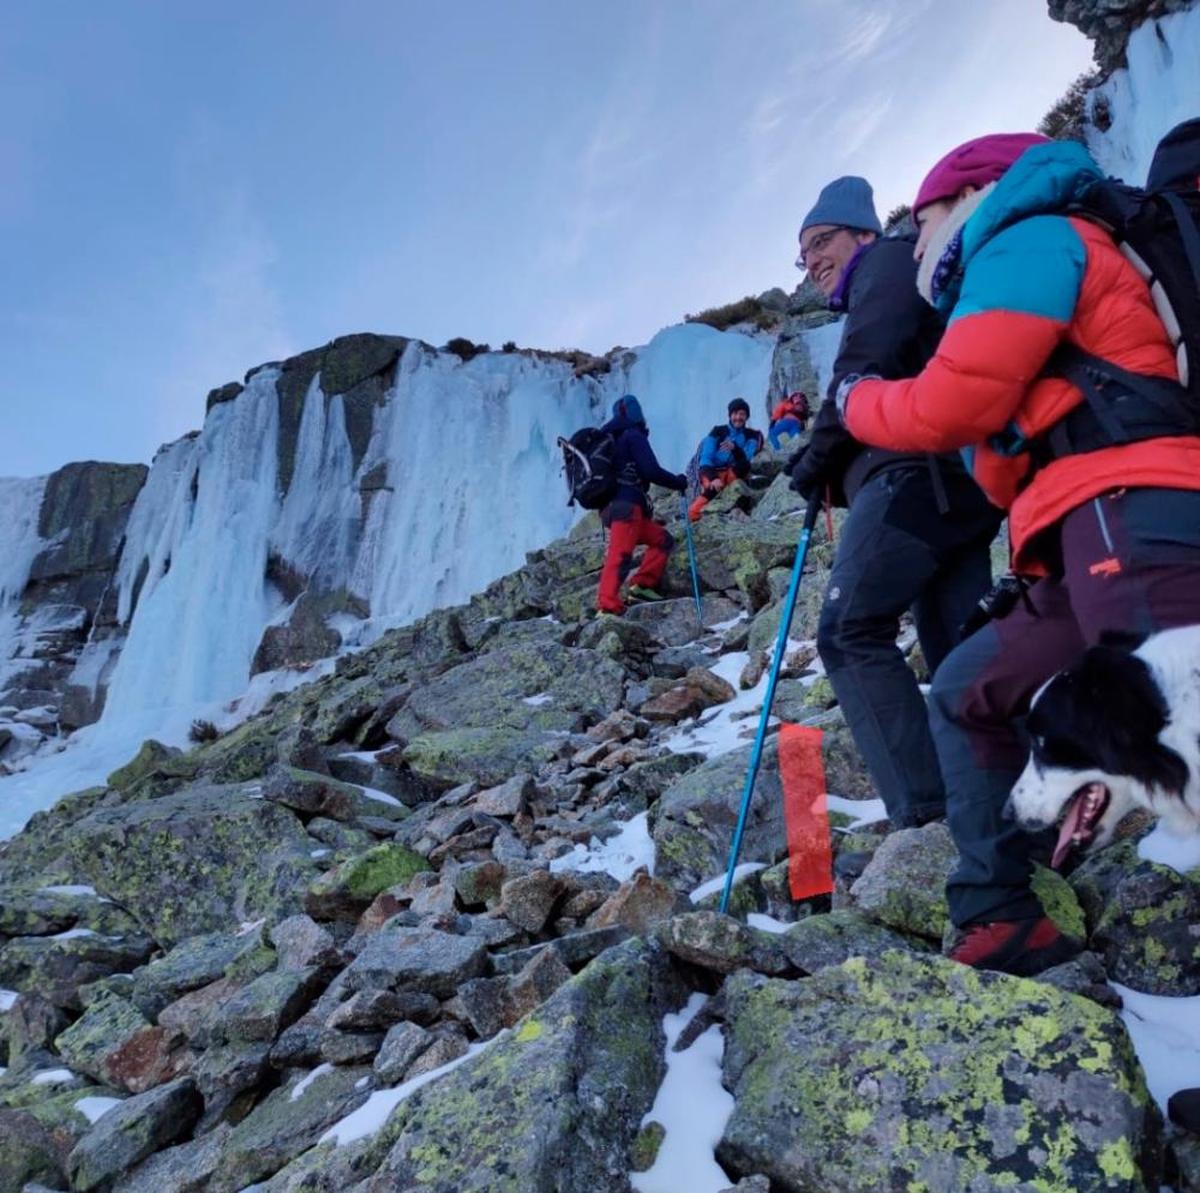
804, 480
681, 483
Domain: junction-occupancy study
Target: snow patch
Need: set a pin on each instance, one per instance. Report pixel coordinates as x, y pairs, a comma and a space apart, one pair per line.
381, 797
693, 1107
7, 998
621, 855
863, 811
1166, 1036
69, 889
94, 1109
374, 1112
767, 923
73, 934
52, 1077
538, 700
1162, 846
307, 1080
713, 885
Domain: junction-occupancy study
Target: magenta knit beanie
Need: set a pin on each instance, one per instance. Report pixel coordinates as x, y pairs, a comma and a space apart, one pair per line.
974, 163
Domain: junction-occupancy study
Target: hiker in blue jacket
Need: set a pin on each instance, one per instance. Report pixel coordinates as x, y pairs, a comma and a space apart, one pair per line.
628, 517
725, 455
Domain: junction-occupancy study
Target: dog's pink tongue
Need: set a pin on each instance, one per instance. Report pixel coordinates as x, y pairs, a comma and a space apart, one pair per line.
1066, 834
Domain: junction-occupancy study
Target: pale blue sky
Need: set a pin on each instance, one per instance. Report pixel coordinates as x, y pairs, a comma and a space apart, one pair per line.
189, 189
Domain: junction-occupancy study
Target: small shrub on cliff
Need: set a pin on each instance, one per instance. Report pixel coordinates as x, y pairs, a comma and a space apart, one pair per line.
464, 349
203, 731
1064, 121
745, 310
509, 346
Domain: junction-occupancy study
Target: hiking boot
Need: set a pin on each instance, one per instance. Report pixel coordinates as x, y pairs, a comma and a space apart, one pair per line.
638, 593
1020, 947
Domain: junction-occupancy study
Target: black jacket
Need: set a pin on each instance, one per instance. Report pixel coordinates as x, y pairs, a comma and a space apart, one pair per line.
891, 332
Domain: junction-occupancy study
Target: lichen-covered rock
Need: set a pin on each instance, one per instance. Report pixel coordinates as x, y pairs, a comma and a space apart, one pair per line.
420, 959
694, 820
822, 940
185, 1168
720, 943
114, 1043
638, 904
1144, 920
522, 686
556, 1105
262, 1009
673, 623
917, 1073
191, 964
319, 795
57, 966
487, 756
904, 884
197, 861
288, 1122
132, 1131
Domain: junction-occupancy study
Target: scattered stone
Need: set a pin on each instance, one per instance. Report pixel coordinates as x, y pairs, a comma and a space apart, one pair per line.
401, 1046
527, 901
421, 959
721, 944
132, 1131
185, 1168
58, 966
447, 1046
904, 884
224, 1073
301, 943
535, 983
508, 800
261, 1010
638, 905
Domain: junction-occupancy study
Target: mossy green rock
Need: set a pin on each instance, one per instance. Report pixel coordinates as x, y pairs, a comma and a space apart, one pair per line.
149, 759
349, 888
201, 860
555, 1104
485, 756
57, 966
1143, 918
919, 1074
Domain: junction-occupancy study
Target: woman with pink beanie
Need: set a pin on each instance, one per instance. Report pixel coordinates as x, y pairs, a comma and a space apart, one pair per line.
1107, 530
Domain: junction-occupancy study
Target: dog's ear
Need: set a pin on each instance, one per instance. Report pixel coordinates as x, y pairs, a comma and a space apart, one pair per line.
1123, 640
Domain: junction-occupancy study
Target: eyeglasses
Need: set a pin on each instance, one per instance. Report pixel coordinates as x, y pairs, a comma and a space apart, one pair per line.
816, 245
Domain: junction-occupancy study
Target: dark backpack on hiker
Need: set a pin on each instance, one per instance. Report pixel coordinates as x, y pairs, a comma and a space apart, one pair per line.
1158, 231
590, 464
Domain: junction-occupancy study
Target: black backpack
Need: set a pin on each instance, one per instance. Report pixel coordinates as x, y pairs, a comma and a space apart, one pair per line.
589, 461
1158, 231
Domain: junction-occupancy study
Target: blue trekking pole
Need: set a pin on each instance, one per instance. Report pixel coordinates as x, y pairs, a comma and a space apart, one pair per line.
687, 526
785, 624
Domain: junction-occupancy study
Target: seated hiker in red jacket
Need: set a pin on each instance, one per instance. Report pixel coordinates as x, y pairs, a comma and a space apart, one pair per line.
789, 417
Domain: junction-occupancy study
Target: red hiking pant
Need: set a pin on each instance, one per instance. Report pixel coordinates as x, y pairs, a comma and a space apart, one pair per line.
624, 535
712, 481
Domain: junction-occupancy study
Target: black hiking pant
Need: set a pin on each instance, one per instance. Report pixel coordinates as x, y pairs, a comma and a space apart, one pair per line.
898, 552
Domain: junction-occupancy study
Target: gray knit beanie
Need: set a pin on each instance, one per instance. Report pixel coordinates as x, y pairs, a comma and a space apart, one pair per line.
847, 202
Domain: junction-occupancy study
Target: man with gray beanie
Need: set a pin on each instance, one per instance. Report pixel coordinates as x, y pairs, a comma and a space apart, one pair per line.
918, 530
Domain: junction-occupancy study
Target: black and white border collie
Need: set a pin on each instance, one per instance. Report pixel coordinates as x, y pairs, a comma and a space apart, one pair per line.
1118, 730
